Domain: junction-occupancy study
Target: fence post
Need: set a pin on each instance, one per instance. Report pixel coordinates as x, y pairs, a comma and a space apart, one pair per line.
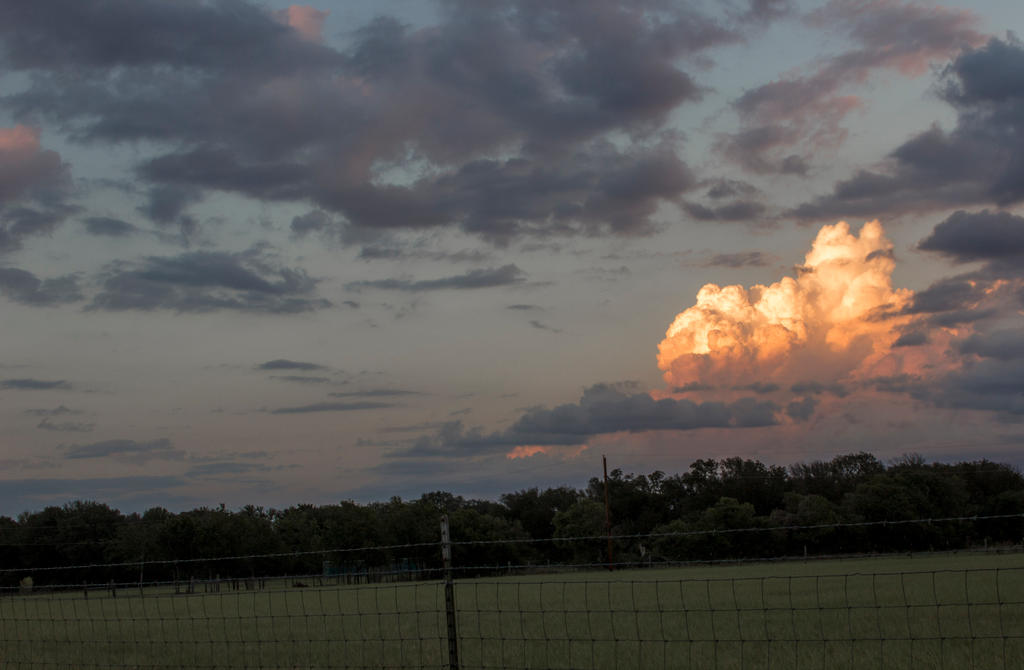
449, 595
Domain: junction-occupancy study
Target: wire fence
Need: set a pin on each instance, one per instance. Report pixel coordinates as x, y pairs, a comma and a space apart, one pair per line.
949, 610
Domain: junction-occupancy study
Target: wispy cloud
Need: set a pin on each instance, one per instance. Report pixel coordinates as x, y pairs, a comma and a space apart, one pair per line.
286, 364
34, 385
505, 275
331, 407
126, 450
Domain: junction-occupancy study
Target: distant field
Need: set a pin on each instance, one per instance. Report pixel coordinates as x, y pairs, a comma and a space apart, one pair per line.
951, 611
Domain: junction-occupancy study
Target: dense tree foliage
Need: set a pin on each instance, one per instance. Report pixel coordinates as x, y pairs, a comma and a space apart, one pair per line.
725, 509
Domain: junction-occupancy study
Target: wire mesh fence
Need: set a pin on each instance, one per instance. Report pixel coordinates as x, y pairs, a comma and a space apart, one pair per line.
955, 610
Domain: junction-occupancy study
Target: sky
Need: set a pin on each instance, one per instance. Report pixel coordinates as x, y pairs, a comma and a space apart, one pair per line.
274, 254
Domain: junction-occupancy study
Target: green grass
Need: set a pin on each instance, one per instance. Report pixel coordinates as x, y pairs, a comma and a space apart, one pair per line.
953, 611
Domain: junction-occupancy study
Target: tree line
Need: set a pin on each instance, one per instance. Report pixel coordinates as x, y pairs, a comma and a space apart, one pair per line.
731, 508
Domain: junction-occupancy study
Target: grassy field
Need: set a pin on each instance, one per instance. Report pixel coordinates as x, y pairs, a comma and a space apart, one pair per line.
953, 611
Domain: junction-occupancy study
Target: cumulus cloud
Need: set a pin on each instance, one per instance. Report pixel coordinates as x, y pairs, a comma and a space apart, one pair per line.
836, 315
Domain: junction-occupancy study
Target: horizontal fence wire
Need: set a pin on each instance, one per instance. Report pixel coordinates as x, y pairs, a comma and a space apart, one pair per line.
929, 610
208, 560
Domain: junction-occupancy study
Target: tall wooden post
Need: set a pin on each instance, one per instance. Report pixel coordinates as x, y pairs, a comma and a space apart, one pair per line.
449, 595
607, 512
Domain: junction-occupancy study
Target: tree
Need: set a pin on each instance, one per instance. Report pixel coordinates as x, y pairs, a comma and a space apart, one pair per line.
584, 519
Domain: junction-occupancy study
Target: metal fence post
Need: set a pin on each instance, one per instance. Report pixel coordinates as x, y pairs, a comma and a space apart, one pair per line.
449, 595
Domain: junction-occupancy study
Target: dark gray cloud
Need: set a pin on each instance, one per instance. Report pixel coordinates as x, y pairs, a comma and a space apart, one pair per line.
394, 253
204, 281
506, 275
990, 384
222, 468
814, 388
948, 294
34, 385
65, 426
221, 35
741, 210
23, 287
693, 386
126, 450
21, 221
106, 226
605, 274
990, 378
376, 393
983, 235
994, 237
302, 379
742, 259
1002, 345
786, 121
524, 308
912, 339
24, 165
245, 104
802, 409
978, 162
729, 188
33, 187
167, 205
540, 325
286, 364
603, 409
60, 410
316, 221
758, 387
768, 10
331, 407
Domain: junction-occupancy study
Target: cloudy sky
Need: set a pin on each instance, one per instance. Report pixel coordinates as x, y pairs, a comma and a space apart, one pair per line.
270, 254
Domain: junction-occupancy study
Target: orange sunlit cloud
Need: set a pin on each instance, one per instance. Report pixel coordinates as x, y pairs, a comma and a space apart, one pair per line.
307, 21
529, 450
840, 314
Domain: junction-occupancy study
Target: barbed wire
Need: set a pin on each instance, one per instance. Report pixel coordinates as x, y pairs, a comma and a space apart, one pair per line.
522, 541
545, 570
175, 561
751, 529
